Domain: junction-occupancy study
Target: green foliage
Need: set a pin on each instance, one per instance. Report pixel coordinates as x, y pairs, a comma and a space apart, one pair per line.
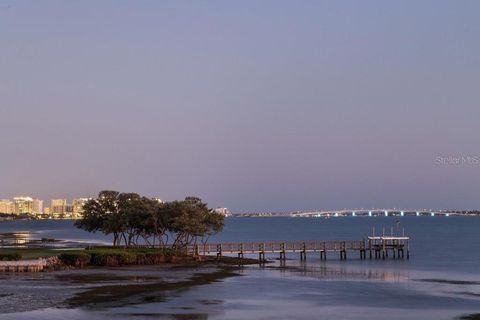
14, 256
130, 217
108, 256
75, 258
112, 257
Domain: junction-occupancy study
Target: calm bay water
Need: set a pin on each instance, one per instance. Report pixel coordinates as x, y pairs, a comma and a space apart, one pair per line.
440, 281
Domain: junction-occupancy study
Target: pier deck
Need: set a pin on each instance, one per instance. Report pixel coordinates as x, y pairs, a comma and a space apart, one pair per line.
378, 247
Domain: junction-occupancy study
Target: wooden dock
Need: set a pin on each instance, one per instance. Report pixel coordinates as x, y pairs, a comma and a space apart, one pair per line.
377, 247
23, 265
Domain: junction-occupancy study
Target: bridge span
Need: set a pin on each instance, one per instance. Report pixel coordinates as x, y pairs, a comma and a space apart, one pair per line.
356, 213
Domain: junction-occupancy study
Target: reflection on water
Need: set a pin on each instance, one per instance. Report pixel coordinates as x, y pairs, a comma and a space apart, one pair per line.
333, 272
17, 238
293, 291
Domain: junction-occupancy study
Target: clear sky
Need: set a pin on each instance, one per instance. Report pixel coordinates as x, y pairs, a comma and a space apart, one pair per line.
252, 105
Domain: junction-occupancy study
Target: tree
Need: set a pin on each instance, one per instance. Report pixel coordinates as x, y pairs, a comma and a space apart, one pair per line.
102, 214
129, 217
192, 219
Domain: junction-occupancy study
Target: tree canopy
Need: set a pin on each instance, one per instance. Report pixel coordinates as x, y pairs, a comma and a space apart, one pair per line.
132, 218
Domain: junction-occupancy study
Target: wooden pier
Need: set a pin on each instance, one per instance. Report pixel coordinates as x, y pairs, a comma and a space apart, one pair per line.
377, 247
382, 245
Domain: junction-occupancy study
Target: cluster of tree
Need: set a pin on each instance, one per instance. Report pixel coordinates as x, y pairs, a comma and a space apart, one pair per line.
131, 218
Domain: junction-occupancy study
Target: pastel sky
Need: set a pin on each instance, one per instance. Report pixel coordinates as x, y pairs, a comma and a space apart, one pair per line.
252, 105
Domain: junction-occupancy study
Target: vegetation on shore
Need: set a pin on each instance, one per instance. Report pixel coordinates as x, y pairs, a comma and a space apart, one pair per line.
132, 218
10, 256
104, 256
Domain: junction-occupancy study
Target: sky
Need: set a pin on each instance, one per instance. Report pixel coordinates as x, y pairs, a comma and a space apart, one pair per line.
251, 105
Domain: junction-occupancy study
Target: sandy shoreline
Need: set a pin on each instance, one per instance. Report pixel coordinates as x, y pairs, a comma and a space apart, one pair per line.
103, 288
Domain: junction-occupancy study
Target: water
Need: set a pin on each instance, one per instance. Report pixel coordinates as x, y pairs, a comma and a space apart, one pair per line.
440, 281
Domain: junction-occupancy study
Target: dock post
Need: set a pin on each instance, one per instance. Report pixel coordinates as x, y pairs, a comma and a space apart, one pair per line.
344, 250
384, 250
408, 249
219, 250
261, 253
197, 251
282, 251
303, 253
363, 254
240, 251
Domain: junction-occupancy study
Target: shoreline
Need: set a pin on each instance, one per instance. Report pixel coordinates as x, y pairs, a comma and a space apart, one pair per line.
105, 287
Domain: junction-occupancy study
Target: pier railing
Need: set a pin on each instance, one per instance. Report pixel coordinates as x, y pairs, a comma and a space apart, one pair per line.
380, 246
272, 247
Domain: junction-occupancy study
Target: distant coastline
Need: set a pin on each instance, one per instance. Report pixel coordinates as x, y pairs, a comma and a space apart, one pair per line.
14, 217
361, 213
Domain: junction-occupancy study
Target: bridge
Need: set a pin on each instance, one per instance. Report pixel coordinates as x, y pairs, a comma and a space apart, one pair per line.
356, 213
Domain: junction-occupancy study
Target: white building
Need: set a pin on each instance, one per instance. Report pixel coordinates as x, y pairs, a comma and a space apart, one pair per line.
223, 211
37, 206
23, 205
7, 206
58, 207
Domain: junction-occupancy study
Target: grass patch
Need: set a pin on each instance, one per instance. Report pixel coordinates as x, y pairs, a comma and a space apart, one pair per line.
14, 256
30, 253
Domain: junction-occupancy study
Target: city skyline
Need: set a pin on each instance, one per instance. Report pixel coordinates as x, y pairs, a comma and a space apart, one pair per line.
254, 106
23, 204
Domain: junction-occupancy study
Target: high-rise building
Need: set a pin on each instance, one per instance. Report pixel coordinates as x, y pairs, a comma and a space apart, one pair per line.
37, 206
78, 206
23, 205
223, 211
58, 207
7, 206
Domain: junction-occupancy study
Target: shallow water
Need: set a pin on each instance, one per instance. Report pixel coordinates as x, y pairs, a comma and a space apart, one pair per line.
440, 281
